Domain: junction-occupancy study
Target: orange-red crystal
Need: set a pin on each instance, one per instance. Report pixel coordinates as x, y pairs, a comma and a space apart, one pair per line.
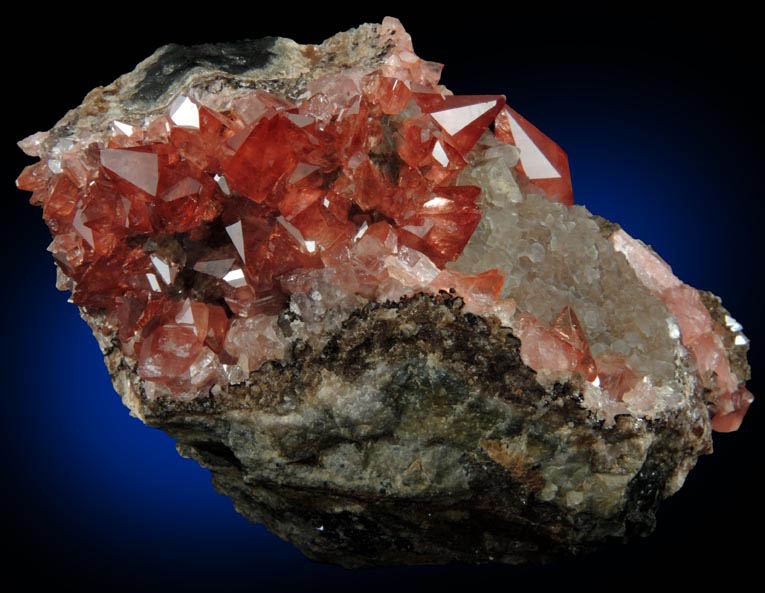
199, 223
191, 231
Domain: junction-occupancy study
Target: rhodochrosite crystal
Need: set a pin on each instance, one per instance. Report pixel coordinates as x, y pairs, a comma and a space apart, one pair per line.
371, 308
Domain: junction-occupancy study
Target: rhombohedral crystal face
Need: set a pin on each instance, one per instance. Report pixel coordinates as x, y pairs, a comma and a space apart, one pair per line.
315, 264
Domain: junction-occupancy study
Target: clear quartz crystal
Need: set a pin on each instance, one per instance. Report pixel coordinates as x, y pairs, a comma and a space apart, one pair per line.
553, 256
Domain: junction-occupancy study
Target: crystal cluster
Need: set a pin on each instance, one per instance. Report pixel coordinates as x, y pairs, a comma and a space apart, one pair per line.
372, 309
195, 228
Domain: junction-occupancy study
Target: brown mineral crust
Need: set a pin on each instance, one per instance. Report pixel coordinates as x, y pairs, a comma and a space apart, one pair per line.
607, 228
445, 456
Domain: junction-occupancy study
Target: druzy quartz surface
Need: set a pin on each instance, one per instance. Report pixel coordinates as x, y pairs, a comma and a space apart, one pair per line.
215, 235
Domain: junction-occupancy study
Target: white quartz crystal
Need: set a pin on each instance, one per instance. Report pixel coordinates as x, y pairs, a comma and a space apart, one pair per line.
552, 256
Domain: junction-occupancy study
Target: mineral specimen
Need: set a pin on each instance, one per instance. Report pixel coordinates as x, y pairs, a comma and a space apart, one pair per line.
371, 307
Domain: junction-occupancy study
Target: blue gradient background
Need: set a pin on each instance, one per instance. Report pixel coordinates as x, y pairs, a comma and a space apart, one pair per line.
662, 138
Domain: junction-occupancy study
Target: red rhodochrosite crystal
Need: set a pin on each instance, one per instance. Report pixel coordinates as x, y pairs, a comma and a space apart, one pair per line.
542, 161
561, 347
193, 230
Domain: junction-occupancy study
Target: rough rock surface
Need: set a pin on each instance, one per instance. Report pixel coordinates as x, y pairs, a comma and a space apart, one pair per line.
417, 435
411, 430
213, 74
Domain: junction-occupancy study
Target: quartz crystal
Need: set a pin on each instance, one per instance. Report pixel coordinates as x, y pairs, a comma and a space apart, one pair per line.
312, 247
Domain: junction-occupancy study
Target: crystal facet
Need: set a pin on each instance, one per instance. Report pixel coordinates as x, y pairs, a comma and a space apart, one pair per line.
541, 160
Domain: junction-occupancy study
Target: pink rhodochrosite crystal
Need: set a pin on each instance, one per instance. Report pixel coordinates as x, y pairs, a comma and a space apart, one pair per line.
193, 229
697, 331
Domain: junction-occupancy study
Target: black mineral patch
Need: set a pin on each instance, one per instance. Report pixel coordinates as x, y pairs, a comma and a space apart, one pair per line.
236, 57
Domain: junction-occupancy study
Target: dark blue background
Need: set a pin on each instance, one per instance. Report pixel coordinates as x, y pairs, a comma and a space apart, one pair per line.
663, 134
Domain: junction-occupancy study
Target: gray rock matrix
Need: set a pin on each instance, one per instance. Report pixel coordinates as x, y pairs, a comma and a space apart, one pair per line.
411, 432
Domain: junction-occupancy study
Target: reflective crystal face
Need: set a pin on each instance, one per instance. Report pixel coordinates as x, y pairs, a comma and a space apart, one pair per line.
195, 229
